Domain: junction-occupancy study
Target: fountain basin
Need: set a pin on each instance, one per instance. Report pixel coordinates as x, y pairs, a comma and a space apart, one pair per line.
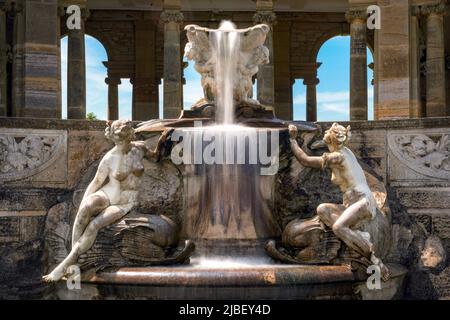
251, 281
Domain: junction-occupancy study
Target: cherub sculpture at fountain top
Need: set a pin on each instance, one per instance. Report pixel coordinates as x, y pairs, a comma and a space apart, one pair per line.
251, 55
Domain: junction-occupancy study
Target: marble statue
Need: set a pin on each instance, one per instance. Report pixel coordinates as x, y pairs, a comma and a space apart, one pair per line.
252, 54
358, 222
113, 192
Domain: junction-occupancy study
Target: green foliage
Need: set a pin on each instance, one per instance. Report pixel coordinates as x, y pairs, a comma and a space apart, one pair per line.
91, 116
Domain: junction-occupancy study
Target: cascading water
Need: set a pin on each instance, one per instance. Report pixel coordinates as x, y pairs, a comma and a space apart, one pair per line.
226, 42
227, 201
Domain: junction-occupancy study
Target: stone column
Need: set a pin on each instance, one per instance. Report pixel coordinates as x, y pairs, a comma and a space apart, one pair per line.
113, 97
435, 65
311, 98
76, 73
415, 110
392, 61
265, 87
3, 61
61, 15
145, 92
36, 56
358, 64
18, 60
282, 72
173, 86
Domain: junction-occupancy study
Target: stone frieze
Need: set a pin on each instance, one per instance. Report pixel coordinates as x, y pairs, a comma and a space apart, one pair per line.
24, 153
427, 153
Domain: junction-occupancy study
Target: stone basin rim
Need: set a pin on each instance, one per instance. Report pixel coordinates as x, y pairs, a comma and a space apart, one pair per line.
259, 276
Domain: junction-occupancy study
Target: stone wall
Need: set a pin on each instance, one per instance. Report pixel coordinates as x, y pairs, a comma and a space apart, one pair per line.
47, 159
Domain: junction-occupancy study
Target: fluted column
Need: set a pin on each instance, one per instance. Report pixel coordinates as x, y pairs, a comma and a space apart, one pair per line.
435, 65
76, 72
3, 61
311, 98
113, 97
415, 110
172, 63
265, 76
358, 64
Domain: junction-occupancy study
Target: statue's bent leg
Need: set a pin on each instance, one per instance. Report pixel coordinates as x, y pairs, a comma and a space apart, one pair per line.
329, 213
342, 228
91, 206
107, 217
354, 214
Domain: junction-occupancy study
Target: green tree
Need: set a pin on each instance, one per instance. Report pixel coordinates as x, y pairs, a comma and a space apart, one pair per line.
91, 116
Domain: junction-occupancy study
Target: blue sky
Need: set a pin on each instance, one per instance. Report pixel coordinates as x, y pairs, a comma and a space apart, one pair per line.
332, 91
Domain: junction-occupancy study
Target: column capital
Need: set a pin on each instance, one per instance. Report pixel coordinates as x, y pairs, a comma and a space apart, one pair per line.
415, 10
172, 16
113, 81
311, 81
10, 6
356, 14
267, 17
264, 4
85, 13
61, 11
433, 9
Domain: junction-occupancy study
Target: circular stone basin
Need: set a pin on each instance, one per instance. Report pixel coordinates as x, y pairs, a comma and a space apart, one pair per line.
204, 280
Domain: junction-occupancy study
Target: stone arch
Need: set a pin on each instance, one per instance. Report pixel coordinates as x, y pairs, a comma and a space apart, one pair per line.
342, 30
97, 36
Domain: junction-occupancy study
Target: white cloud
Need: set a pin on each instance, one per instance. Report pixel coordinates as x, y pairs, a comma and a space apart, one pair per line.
336, 108
322, 97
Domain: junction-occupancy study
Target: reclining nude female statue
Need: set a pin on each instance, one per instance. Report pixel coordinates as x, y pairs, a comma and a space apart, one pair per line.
113, 192
357, 222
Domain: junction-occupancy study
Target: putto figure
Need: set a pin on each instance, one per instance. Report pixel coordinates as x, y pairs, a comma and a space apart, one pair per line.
113, 192
251, 54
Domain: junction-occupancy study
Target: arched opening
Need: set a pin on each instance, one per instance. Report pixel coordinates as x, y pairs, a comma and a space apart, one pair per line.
125, 99
299, 99
192, 89
333, 90
96, 73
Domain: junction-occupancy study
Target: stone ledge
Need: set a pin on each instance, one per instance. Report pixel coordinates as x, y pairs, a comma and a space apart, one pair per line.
99, 125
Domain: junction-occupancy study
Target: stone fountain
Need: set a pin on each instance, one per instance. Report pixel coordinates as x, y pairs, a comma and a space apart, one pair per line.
218, 206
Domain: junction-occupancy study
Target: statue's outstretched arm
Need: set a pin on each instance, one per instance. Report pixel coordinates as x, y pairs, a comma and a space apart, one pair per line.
302, 157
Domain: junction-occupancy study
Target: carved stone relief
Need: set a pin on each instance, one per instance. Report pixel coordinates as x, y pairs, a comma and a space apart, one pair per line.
24, 153
427, 152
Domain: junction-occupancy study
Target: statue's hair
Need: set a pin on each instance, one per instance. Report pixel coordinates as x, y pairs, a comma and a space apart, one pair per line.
122, 128
338, 129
